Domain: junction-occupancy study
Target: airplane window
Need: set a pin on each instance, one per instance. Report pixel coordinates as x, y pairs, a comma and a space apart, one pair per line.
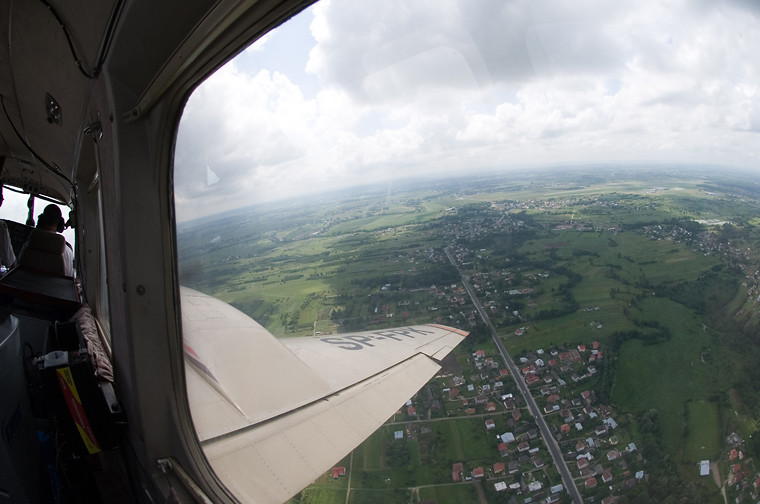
575, 186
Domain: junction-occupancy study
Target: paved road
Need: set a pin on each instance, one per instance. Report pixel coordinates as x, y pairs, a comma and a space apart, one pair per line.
556, 453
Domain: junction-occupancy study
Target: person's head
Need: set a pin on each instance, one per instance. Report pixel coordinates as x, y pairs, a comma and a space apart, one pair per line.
51, 219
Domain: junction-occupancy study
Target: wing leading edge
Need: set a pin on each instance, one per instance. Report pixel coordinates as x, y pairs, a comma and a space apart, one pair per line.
273, 415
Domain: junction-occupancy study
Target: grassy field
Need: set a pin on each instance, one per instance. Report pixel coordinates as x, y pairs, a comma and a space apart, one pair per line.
676, 371
455, 493
703, 439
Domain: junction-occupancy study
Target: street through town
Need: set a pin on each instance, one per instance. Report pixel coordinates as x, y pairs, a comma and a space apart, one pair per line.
551, 443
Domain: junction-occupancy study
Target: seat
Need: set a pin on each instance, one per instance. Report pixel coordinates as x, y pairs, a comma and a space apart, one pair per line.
44, 253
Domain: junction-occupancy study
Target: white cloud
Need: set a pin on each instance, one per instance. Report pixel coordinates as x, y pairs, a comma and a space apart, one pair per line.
435, 85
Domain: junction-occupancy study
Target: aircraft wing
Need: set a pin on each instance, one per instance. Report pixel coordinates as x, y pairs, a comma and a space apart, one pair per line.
274, 414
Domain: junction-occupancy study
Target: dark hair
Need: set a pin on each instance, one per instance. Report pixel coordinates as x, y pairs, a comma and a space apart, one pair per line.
51, 216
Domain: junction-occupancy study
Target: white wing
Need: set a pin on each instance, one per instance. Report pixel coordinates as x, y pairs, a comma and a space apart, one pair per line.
273, 415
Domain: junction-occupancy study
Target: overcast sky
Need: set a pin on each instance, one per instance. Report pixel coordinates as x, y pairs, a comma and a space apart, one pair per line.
361, 91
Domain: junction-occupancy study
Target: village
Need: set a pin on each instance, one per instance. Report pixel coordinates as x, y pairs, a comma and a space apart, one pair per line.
598, 448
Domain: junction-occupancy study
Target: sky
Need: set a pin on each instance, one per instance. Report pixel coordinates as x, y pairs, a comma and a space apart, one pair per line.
355, 92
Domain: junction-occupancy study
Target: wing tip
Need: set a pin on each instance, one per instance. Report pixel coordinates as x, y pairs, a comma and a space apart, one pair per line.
460, 332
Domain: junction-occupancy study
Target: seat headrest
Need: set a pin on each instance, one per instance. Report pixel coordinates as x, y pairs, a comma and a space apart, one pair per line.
47, 241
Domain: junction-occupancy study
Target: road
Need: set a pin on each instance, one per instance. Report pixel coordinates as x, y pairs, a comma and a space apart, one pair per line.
551, 443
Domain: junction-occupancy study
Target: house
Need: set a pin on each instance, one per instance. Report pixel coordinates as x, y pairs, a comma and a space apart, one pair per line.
513, 467
534, 486
565, 429
499, 468
338, 471
479, 354
607, 475
470, 411
590, 482
456, 471
516, 415
503, 449
454, 392
582, 464
490, 424
491, 407
613, 455
398, 434
411, 411
704, 468
500, 486
478, 472
523, 447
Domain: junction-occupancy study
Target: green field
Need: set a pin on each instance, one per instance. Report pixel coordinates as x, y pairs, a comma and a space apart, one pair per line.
667, 375
450, 494
703, 439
